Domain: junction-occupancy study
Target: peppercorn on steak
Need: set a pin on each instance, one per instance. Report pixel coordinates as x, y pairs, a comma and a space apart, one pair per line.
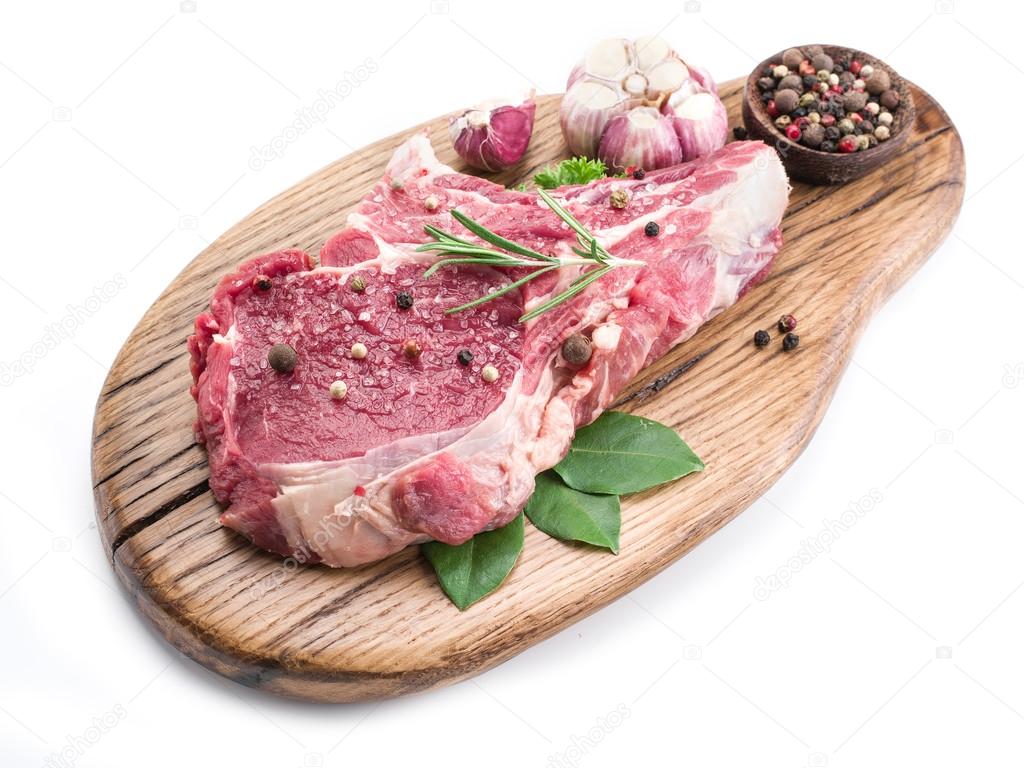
346, 415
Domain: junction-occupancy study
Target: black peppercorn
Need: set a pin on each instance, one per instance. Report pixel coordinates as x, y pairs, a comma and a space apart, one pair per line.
281, 358
639, 173
767, 96
465, 357
827, 146
739, 133
761, 339
790, 342
832, 133
799, 112
810, 81
651, 229
766, 84
403, 299
263, 282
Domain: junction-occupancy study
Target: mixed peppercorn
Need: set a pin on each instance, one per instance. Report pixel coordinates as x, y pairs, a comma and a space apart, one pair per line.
785, 325
829, 105
282, 358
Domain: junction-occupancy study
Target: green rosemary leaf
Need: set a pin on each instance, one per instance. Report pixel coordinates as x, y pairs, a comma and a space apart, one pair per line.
501, 291
487, 235
563, 214
440, 234
474, 260
589, 250
573, 290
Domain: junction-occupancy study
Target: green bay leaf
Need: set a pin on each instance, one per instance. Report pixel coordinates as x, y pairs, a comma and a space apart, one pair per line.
565, 513
474, 569
621, 453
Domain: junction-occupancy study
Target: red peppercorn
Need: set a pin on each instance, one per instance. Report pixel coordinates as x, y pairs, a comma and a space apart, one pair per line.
359, 491
806, 68
827, 120
772, 110
847, 144
802, 121
855, 67
855, 116
787, 323
793, 132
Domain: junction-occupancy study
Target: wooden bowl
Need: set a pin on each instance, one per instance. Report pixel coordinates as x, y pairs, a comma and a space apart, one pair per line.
813, 165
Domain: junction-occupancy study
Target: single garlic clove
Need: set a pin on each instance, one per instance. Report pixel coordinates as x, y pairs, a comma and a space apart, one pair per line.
666, 77
494, 135
701, 124
609, 59
585, 111
651, 51
642, 137
704, 80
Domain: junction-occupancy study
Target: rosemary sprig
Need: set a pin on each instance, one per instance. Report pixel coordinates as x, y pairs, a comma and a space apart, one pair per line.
590, 254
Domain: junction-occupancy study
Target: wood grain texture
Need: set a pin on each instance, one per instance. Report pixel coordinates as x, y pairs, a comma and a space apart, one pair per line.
386, 629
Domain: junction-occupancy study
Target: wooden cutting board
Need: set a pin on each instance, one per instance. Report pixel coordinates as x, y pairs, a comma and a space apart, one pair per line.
387, 629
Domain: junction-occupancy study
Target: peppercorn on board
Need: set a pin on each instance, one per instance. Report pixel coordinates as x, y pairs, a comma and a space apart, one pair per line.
386, 629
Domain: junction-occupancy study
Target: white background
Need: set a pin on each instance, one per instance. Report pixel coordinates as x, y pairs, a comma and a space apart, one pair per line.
125, 142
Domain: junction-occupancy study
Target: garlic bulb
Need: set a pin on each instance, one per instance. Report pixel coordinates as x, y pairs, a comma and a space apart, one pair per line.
493, 135
643, 137
618, 77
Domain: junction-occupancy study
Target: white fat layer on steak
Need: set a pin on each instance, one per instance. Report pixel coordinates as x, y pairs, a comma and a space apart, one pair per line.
317, 497
528, 432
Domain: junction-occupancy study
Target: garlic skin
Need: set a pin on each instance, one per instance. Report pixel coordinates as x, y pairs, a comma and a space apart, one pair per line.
700, 123
618, 77
495, 134
643, 138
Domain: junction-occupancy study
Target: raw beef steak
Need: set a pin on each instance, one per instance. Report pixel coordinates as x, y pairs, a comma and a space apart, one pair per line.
421, 446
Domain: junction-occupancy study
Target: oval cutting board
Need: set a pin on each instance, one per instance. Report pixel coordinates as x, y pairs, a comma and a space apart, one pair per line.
387, 629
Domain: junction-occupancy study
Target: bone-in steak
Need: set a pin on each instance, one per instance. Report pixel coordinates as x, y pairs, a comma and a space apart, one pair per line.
421, 446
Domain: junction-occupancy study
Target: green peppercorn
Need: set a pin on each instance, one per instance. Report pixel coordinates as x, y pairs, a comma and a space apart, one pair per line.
357, 284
